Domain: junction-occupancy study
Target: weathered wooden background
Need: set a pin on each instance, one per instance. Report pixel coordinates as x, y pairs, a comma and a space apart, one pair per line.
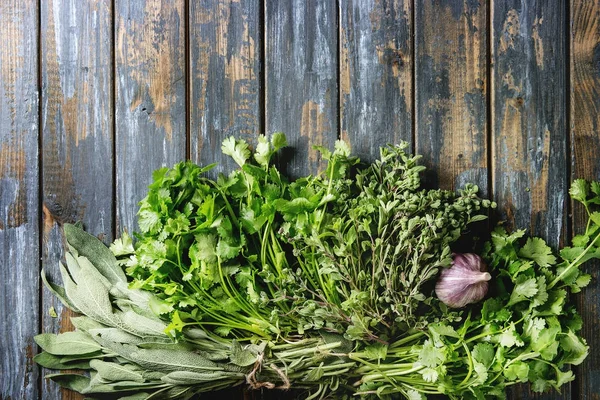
95, 94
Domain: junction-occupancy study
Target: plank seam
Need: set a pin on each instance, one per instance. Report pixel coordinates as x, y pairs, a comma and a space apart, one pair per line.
570, 228
113, 106
40, 181
338, 19
188, 79
569, 139
489, 103
262, 98
413, 85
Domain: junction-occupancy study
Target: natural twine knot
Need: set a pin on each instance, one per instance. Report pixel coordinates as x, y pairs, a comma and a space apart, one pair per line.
256, 384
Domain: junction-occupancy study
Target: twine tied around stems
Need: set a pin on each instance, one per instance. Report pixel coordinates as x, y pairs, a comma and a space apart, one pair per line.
256, 384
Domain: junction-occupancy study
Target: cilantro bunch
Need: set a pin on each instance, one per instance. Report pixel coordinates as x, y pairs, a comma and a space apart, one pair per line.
209, 248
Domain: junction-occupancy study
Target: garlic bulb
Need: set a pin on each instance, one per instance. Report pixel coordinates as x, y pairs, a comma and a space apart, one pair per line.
465, 282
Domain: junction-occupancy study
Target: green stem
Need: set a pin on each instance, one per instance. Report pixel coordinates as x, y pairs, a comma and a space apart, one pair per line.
573, 263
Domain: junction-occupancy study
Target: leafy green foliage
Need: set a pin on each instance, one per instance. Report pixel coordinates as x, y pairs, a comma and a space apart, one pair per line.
323, 283
369, 238
209, 249
127, 354
527, 332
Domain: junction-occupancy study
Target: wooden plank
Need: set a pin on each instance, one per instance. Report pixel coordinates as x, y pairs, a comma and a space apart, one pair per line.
77, 155
450, 79
225, 90
376, 71
301, 92
150, 97
528, 123
19, 200
585, 134
225, 65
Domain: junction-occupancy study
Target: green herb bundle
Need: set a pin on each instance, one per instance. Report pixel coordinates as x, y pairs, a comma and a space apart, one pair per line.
371, 251
323, 284
130, 354
209, 248
363, 238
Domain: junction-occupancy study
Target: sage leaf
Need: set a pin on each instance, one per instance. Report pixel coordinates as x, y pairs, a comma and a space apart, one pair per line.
99, 255
123, 386
52, 361
91, 299
80, 357
86, 324
123, 350
58, 291
136, 396
73, 266
193, 378
143, 326
172, 360
170, 345
68, 343
91, 271
74, 382
240, 356
115, 335
117, 372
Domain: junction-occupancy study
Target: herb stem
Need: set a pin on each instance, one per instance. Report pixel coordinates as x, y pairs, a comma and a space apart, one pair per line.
573, 263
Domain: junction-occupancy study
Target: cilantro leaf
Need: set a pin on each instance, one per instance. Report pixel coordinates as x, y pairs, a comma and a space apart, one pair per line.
517, 371
484, 353
575, 347
429, 374
537, 250
430, 355
376, 351
524, 289
412, 394
595, 217
545, 342
482, 372
579, 190
510, 337
263, 153
541, 296
563, 377
238, 150
595, 186
149, 221
122, 246
278, 141
226, 250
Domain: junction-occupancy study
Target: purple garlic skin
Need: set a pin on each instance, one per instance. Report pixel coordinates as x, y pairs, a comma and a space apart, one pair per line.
465, 282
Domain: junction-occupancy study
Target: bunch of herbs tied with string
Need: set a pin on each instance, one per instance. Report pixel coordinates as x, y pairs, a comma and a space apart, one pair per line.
346, 251
323, 284
129, 353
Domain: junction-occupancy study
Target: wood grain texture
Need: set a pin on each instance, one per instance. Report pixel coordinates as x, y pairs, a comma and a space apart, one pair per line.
225, 90
301, 79
585, 140
77, 133
450, 82
150, 97
225, 65
528, 124
376, 70
19, 200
